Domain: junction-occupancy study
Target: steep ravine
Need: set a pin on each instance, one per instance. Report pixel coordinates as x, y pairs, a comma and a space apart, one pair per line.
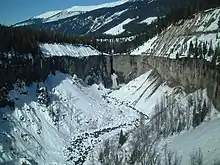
192, 74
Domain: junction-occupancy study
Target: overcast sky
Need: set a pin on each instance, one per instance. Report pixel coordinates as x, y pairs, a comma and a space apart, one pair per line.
13, 11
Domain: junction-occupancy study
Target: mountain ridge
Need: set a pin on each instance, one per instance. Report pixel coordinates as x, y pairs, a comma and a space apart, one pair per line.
81, 20
68, 12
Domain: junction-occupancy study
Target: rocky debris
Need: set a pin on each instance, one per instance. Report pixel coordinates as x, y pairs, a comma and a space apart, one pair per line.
81, 145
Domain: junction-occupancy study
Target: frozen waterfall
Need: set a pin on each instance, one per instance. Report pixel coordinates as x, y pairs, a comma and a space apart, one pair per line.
114, 81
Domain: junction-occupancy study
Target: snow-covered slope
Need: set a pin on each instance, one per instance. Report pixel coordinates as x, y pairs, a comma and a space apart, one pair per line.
147, 48
67, 50
76, 119
48, 14
208, 21
62, 120
149, 20
119, 28
201, 32
73, 11
205, 137
144, 92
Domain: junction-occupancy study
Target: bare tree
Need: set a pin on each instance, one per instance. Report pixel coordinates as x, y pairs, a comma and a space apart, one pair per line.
170, 158
109, 155
144, 146
196, 157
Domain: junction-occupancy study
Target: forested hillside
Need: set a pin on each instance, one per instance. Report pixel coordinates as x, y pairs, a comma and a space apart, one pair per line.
21, 40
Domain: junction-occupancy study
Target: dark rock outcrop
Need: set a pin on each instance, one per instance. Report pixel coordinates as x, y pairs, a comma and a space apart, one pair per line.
35, 70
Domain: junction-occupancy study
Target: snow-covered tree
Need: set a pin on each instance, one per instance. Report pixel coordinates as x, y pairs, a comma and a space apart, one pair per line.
43, 96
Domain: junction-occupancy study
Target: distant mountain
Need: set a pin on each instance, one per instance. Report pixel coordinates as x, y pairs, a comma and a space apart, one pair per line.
108, 18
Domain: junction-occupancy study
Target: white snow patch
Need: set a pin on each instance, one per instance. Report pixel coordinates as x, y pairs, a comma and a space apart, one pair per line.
119, 28
67, 50
101, 21
47, 14
149, 20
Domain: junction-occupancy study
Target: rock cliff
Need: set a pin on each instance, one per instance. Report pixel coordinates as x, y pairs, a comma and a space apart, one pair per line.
190, 73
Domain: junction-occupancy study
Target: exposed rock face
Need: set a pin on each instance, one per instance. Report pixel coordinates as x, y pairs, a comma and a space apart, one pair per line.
192, 74
129, 67
98, 68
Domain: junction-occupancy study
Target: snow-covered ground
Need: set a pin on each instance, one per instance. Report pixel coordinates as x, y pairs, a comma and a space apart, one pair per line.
119, 28
77, 113
143, 93
205, 137
67, 50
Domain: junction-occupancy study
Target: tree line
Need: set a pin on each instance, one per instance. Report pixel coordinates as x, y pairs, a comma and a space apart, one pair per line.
20, 40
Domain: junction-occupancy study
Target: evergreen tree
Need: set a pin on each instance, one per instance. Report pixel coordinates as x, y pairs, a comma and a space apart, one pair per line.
122, 138
191, 49
177, 56
200, 50
217, 52
214, 57
204, 49
211, 51
196, 51
219, 22
23, 40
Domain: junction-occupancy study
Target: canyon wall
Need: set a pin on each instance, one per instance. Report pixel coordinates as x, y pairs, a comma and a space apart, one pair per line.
192, 74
